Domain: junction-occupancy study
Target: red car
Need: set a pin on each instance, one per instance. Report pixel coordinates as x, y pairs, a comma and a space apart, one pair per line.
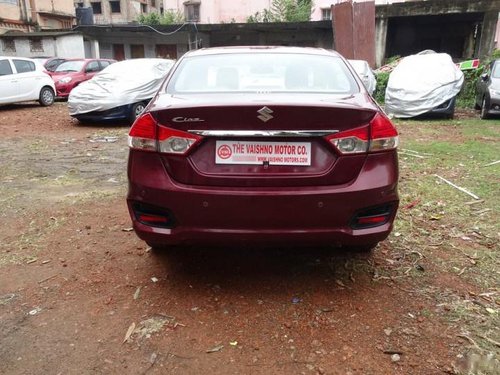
75, 71
271, 145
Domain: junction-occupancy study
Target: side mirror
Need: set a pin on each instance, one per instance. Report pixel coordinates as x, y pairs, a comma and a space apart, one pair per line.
485, 77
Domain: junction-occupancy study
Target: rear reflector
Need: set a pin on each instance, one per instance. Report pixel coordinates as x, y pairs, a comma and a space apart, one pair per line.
372, 217
145, 218
152, 216
148, 135
379, 135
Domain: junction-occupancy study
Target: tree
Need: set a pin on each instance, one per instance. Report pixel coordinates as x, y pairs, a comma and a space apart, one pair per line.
284, 11
169, 17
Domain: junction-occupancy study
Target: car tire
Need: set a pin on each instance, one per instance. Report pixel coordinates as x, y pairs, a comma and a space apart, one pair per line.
46, 97
484, 109
136, 111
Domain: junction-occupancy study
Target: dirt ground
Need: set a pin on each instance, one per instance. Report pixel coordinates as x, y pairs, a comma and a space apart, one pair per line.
81, 294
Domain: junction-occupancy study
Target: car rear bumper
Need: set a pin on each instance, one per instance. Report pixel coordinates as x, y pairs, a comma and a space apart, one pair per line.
299, 215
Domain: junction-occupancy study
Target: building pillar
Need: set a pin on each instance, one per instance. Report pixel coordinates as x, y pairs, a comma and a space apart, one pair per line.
380, 40
488, 32
94, 47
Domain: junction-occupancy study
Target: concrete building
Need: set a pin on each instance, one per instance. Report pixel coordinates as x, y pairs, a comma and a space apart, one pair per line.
462, 28
217, 11
119, 11
129, 41
35, 15
67, 44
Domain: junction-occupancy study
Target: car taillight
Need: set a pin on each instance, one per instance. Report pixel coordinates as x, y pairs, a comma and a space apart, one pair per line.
172, 141
384, 135
352, 141
147, 134
142, 134
379, 135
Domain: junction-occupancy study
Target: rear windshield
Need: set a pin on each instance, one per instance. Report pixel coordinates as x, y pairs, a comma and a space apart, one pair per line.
271, 72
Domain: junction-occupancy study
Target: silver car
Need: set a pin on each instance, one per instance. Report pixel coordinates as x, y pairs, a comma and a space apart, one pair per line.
488, 90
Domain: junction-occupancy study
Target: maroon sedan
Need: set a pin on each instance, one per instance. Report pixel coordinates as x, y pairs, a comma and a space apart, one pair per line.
263, 145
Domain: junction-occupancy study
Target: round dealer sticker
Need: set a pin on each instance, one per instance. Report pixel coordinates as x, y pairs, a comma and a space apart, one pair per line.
224, 152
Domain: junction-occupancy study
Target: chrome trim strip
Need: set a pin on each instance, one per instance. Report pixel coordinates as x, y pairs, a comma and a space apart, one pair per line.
263, 133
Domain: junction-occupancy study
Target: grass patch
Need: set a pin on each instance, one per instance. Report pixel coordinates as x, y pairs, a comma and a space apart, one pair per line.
458, 234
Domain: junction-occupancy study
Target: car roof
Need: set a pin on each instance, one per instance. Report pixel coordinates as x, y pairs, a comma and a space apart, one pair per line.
263, 49
17, 58
81, 59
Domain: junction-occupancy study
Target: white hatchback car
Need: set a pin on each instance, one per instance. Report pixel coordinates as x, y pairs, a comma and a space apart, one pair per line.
22, 80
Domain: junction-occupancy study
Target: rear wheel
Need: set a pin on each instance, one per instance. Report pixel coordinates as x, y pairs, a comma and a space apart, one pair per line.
136, 111
46, 97
484, 109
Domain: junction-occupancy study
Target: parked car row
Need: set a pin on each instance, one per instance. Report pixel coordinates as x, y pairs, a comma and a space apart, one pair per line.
422, 84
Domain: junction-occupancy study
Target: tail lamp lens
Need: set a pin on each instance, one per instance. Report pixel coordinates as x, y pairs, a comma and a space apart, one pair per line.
384, 135
142, 134
379, 135
353, 141
172, 141
148, 135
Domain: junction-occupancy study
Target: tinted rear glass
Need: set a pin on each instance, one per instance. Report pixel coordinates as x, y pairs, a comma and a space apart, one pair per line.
23, 66
5, 68
270, 72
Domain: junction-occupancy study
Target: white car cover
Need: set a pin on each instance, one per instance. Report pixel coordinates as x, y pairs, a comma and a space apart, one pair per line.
364, 72
121, 83
420, 83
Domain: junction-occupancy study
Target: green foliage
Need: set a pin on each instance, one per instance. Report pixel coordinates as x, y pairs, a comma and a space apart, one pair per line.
169, 17
284, 11
467, 96
379, 94
495, 55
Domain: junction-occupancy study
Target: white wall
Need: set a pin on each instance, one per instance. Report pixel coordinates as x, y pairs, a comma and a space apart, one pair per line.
70, 46
218, 11
323, 4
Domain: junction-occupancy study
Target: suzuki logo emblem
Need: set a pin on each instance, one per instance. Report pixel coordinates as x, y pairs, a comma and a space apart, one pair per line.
265, 114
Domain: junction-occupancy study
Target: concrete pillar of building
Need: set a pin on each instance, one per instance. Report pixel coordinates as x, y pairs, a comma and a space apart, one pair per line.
380, 40
94, 46
488, 32
469, 45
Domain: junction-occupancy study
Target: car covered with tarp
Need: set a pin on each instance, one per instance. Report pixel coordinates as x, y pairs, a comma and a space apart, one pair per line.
426, 83
119, 92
